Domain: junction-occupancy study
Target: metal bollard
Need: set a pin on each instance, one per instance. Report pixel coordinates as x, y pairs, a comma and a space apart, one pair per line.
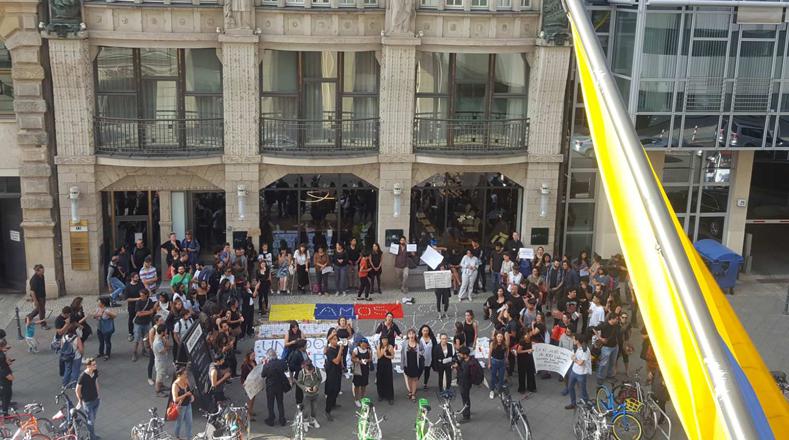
786, 304
18, 324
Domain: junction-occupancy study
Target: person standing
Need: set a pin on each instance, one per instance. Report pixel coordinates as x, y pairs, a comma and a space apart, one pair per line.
6, 377
442, 294
167, 248
262, 286
514, 244
494, 261
581, 369
361, 357
106, 326
322, 270
309, 382
464, 381
470, 329
384, 379
481, 254
301, 258
138, 256
192, 248
116, 280
340, 260
38, 294
401, 264
296, 359
609, 336
247, 366
148, 275
527, 373
132, 293
88, 394
71, 351
376, 260
162, 361
427, 342
443, 356
334, 354
412, 360
364, 277
274, 373
143, 311
388, 328
468, 267
182, 395
354, 254
497, 363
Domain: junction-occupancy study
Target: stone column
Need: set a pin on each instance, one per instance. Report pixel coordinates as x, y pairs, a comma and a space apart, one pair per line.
72, 84
391, 175
241, 95
734, 235
39, 214
539, 173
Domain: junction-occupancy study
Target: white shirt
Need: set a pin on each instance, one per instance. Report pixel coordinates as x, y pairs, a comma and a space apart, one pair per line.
514, 279
469, 264
596, 314
301, 259
586, 356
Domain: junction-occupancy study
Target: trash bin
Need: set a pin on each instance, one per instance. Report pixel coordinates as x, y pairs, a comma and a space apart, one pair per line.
722, 262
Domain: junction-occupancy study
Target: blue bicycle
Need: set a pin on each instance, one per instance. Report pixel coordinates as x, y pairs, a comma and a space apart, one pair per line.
623, 413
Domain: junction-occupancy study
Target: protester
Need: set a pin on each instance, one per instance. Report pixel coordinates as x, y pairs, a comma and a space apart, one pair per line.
247, 366
470, 329
181, 394
301, 258
276, 382
340, 261
608, 335
388, 328
412, 360
468, 267
401, 264
87, 393
497, 363
464, 382
105, 327
443, 358
376, 261
361, 358
364, 277
309, 381
427, 342
334, 353
143, 313
384, 378
581, 369
442, 294
526, 369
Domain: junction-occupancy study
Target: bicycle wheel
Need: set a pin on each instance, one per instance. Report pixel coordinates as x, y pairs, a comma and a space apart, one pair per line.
38, 436
46, 427
601, 399
626, 427
522, 427
79, 426
649, 420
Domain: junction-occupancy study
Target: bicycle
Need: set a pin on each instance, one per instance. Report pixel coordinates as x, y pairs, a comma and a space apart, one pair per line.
592, 424
516, 415
227, 423
299, 427
26, 425
653, 417
446, 427
368, 425
153, 430
624, 416
69, 420
649, 412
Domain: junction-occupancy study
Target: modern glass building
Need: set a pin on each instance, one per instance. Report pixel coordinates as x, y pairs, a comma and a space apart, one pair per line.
706, 87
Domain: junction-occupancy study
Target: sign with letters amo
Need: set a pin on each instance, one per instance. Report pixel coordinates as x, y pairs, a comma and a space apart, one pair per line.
549, 357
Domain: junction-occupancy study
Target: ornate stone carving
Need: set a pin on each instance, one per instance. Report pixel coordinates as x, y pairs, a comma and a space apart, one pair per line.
65, 17
555, 27
400, 17
239, 15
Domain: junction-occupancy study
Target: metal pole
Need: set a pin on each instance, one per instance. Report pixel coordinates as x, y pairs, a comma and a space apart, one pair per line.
727, 3
668, 245
747, 252
18, 324
786, 304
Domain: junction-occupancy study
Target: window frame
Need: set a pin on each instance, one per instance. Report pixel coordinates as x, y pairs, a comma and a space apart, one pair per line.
7, 71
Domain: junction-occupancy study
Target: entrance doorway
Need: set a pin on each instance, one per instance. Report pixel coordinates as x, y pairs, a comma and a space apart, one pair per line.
207, 220
132, 215
12, 245
768, 213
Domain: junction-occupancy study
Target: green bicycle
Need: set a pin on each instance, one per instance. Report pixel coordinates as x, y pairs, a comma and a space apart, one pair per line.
445, 428
368, 425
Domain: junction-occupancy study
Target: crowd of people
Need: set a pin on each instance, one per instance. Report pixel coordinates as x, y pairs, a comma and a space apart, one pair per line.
575, 303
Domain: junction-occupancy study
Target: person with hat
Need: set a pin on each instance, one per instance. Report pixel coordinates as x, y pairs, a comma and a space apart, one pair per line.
361, 357
309, 382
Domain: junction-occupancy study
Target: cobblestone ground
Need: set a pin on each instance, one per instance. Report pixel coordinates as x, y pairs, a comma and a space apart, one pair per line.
126, 394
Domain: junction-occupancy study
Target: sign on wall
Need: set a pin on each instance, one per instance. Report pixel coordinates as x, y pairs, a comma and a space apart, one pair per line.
80, 252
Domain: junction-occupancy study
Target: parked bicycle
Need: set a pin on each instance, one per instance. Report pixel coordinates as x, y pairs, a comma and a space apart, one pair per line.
446, 427
25, 425
154, 429
69, 420
654, 419
227, 423
368, 425
592, 424
640, 402
516, 415
300, 428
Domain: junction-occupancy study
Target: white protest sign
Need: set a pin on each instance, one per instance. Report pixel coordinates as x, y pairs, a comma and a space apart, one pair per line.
549, 357
315, 348
394, 248
410, 247
482, 351
280, 329
254, 383
276, 330
432, 257
526, 253
438, 279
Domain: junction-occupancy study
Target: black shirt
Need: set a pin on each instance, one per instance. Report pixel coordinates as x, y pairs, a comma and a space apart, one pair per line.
132, 291
340, 258
610, 333
37, 286
389, 332
274, 373
5, 369
138, 257
143, 306
169, 246
498, 257
353, 254
60, 322
87, 383
513, 246
375, 258
498, 352
517, 305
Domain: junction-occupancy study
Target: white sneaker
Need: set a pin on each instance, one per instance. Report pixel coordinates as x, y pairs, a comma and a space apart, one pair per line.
306, 427
315, 424
150, 382
492, 394
357, 404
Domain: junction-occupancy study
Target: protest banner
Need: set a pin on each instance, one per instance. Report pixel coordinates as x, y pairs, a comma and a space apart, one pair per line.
526, 253
254, 383
432, 257
437, 279
549, 357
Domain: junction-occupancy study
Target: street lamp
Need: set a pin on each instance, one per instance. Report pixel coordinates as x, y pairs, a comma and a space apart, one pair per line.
73, 196
242, 199
545, 191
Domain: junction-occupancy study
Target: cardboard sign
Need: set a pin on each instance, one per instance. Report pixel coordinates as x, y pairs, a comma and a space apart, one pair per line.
334, 312
254, 383
377, 311
526, 253
410, 247
394, 248
432, 257
549, 357
438, 279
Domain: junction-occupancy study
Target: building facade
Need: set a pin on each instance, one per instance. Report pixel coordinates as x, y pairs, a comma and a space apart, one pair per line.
706, 87
285, 121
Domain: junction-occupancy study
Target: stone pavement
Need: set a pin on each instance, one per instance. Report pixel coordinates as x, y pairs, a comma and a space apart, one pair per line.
126, 394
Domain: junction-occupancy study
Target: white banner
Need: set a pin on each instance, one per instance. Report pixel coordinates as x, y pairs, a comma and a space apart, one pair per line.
526, 253
315, 348
432, 257
549, 357
437, 279
254, 383
280, 329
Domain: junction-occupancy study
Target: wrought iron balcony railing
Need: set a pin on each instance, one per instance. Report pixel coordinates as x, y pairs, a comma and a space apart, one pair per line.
323, 137
159, 137
470, 136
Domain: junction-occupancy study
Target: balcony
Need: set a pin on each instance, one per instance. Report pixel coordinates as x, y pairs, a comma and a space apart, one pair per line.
470, 136
322, 137
163, 137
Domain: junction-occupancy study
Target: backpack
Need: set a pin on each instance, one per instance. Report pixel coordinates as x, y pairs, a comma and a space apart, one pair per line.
67, 351
475, 374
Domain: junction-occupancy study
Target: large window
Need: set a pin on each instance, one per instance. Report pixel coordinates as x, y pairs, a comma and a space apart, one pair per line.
319, 210
158, 98
697, 186
6, 84
452, 209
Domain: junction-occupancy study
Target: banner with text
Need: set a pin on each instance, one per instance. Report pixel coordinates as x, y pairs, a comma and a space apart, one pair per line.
549, 357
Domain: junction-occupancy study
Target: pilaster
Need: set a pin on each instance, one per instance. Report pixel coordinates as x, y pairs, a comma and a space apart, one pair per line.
547, 85
740, 188
240, 84
245, 176
393, 175
39, 217
540, 175
398, 85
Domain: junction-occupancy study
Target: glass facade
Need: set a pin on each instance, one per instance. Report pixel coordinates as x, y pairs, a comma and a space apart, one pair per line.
319, 210
6, 84
454, 208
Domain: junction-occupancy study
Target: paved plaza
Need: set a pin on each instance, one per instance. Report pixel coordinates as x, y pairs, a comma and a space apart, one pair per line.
125, 394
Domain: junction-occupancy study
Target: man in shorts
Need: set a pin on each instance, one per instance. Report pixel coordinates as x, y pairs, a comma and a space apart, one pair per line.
144, 310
